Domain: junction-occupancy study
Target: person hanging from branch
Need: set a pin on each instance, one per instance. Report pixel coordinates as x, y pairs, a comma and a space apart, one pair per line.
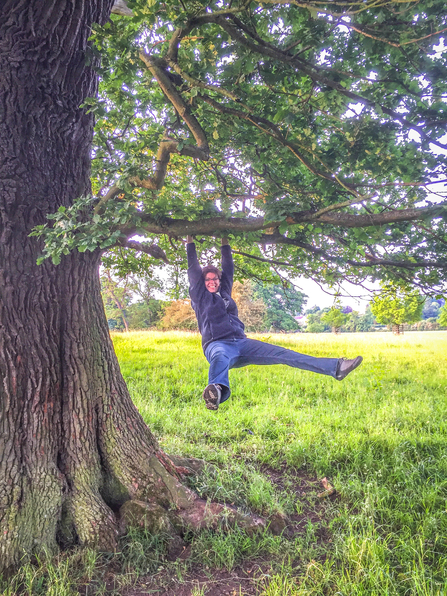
223, 339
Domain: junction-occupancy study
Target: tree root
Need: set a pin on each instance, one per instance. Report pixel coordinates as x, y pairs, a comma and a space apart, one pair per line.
202, 515
193, 516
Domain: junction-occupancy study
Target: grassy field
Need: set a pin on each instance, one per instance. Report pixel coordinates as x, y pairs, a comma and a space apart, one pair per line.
379, 437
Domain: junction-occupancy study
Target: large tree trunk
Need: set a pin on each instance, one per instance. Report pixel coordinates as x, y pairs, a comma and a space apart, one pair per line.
73, 448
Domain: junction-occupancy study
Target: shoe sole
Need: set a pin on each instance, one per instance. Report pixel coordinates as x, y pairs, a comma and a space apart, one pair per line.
211, 397
357, 362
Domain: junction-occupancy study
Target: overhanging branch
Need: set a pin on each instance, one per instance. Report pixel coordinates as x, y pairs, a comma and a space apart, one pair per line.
216, 225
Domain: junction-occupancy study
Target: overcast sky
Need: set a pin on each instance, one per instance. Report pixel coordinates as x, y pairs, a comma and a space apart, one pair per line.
354, 296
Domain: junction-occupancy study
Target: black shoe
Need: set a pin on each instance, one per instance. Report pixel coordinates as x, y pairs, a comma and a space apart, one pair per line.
212, 394
344, 367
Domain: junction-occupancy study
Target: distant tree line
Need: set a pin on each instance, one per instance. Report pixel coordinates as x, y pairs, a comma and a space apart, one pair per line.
130, 304
412, 312
338, 319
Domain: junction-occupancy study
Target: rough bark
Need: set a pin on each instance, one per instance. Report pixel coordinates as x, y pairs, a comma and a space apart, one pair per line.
73, 448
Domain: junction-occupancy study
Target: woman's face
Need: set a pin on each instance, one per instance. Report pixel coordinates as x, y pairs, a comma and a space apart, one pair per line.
212, 282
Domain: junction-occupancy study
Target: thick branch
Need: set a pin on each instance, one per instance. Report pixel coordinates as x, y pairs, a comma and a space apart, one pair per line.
179, 33
177, 101
113, 192
216, 225
205, 227
167, 146
120, 7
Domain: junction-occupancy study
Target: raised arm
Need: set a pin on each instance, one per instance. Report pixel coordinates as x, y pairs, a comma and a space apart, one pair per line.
196, 283
227, 266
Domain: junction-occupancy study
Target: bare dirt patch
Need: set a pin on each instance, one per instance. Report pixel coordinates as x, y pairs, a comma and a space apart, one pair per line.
241, 581
248, 578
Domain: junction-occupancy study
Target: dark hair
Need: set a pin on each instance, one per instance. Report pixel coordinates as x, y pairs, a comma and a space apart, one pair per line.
211, 269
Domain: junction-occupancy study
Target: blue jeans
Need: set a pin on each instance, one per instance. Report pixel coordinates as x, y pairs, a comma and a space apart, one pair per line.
235, 353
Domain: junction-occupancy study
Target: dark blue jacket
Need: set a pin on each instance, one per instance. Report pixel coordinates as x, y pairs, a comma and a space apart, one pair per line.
215, 320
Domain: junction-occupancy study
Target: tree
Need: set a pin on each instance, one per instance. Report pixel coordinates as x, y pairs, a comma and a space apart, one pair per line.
251, 309
335, 318
304, 131
432, 307
443, 316
116, 297
178, 314
430, 324
283, 305
145, 314
314, 323
367, 320
353, 322
396, 305
131, 278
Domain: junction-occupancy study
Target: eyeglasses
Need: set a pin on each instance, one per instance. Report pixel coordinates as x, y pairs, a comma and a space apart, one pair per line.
211, 279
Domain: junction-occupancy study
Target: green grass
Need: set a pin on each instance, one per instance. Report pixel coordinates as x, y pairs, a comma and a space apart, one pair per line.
379, 436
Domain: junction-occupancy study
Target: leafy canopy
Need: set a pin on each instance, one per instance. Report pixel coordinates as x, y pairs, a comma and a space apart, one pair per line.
335, 318
312, 133
397, 305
